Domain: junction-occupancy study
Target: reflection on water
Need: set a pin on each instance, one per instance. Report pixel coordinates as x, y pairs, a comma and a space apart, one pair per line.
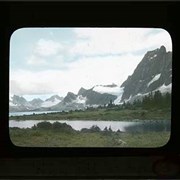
127, 126
161, 125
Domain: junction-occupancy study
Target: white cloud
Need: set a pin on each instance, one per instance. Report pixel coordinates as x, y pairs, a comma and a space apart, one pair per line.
86, 73
98, 41
27, 82
159, 39
46, 54
105, 56
105, 70
35, 60
15, 88
47, 47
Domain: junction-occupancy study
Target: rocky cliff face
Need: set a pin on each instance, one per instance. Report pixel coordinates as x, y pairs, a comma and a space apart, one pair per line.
70, 97
84, 98
18, 103
152, 73
95, 98
35, 103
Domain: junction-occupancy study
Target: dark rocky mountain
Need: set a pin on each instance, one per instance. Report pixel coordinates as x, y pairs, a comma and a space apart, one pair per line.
70, 97
52, 101
18, 100
36, 102
84, 98
18, 103
54, 98
70, 102
153, 72
95, 98
81, 91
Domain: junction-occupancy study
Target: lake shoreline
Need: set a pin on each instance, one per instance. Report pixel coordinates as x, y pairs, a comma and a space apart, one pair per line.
124, 120
101, 115
113, 125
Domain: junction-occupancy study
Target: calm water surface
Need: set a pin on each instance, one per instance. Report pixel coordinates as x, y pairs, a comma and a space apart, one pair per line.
148, 125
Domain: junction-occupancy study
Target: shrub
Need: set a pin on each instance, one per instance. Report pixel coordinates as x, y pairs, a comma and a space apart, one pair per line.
44, 125
85, 130
95, 128
63, 127
57, 125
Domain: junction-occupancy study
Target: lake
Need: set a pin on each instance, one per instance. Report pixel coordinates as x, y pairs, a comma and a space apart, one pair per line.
125, 126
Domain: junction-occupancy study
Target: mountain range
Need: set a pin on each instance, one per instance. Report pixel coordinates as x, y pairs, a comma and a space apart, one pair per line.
154, 72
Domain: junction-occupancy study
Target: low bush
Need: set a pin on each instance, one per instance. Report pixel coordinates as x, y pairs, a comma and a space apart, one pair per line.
44, 125
63, 127
56, 126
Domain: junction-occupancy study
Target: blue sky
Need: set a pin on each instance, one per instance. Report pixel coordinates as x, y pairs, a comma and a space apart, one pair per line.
46, 61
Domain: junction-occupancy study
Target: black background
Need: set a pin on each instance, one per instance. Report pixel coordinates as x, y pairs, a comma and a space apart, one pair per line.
97, 163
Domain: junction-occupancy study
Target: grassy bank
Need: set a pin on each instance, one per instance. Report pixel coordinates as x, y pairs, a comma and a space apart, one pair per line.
102, 114
56, 138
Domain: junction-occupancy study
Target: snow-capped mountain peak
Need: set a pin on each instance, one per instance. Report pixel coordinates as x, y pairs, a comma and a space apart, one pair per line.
52, 101
153, 73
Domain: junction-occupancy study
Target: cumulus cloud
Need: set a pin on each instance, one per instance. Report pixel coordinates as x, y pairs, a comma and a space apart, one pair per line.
159, 39
98, 41
95, 56
15, 87
46, 63
86, 73
47, 47
47, 54
35, 60
27, 82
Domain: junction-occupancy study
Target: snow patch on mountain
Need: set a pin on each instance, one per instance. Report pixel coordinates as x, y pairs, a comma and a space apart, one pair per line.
50, 103
153, 57
80, 99
154, 79
119, 96
109, 90
127, 100
11, 100
165, 89
93, 105
12, 104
